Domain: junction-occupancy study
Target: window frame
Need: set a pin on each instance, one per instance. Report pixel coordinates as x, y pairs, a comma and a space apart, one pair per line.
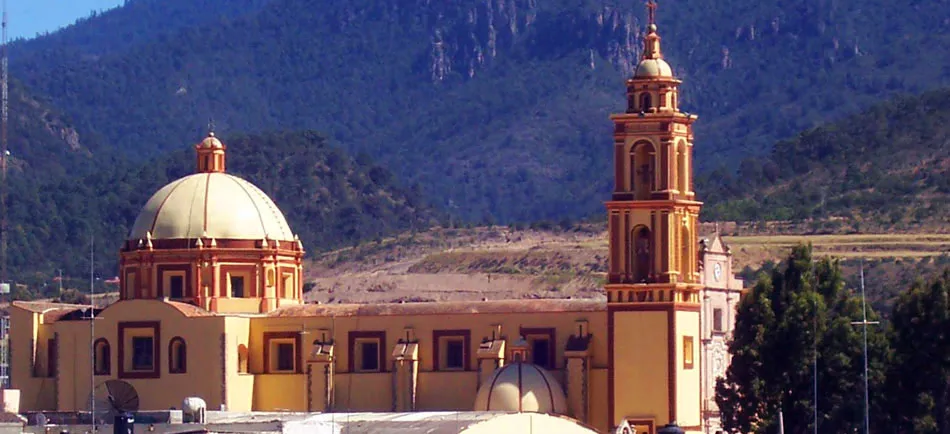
440, 340
173, 355
125, 329
242, 354
165, 272
531, 334
105, 358
231, 277
271, 340
356, 338
718, 316
689, 354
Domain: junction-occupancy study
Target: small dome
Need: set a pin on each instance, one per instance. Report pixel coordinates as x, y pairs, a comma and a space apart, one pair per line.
211, 142
214, 205
521, 387
653, 68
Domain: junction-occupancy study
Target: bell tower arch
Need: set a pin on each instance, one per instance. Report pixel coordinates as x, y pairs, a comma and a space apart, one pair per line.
653, 282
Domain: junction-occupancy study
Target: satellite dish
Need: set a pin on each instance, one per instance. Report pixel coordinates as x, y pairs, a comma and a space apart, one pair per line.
112, 398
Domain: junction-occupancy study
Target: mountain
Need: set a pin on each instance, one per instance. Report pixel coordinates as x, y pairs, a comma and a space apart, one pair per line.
329, 198
496, 108
135, 22
886, 166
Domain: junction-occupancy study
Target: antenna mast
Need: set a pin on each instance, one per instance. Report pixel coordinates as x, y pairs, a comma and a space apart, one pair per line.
4, 154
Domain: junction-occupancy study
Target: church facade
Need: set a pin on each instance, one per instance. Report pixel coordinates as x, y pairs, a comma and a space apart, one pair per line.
211, 306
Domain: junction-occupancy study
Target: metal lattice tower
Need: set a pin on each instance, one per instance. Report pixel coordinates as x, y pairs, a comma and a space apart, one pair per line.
4, 153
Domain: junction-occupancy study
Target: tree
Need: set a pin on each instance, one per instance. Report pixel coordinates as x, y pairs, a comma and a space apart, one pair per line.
917, 381
798, 315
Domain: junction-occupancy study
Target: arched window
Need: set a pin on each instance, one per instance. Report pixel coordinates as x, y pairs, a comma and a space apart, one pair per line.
642, 170
645, 102
681, 170
103, 357
642, 254
242, 359
177, 356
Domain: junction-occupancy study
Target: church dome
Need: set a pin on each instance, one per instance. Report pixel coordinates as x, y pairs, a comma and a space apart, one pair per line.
649, 68
521, 387
211, 205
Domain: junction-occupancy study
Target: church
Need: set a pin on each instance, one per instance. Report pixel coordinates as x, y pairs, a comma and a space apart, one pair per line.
211, 306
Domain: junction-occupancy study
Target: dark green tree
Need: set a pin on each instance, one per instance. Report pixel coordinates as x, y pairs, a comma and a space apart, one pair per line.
918, 388
794, 322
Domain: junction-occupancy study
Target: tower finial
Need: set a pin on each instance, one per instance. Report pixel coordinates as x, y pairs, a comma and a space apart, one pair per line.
211, 126
651, 11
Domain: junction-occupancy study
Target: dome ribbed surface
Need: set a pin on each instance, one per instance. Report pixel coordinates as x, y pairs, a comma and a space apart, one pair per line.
214, 205
521, 387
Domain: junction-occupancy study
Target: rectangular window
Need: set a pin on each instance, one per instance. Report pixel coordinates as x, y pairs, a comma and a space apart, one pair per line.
281, 353
450, 350
455, 354
237, 286
287, 288
143, 353
541, 345
687, 352
717, 319
285, 357
365, 351
176, 286
369, 356
539, 352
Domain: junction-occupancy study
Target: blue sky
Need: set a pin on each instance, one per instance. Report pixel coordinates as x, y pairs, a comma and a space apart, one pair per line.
29, 17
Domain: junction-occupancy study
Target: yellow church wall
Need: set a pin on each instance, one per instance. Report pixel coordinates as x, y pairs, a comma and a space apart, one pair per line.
432, 389
436, 390
364, 392
641, 365
201, 378
687, 376
240, 386
280, 392
597, 407
36, 392
238, 305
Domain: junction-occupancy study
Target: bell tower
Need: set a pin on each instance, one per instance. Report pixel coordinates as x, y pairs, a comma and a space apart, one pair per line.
653, 282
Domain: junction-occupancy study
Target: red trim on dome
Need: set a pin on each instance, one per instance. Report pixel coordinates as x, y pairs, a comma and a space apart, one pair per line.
204, 227
260, 216
548, 385
520, 391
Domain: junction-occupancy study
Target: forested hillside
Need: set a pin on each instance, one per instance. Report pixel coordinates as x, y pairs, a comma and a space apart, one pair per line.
497, 108
329, 198
889, 165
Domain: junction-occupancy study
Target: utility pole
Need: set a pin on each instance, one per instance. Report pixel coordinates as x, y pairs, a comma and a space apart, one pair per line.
864, 324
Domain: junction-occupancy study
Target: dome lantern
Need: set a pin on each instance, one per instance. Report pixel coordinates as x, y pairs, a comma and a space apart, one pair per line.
211, 155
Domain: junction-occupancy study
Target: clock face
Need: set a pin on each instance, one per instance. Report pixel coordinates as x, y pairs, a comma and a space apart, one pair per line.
717, 271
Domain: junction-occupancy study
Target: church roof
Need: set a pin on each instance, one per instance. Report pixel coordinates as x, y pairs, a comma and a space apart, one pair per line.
441, 308
521, 387
211, 205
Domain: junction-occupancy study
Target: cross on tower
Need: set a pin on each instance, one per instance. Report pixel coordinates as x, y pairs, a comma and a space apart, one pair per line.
651, 10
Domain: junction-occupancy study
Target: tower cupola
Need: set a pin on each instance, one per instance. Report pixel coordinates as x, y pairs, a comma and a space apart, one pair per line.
653, 88
210, 155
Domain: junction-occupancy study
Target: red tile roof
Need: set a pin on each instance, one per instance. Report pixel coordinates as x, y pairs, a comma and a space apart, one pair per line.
441, 308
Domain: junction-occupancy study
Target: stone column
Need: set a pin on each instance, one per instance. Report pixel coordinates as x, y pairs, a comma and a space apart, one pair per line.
577, 373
